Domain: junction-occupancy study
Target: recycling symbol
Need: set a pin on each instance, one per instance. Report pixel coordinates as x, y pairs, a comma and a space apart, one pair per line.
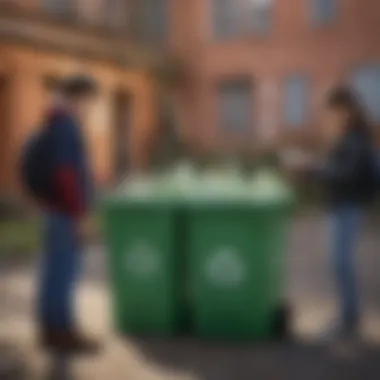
142, 260
225, 268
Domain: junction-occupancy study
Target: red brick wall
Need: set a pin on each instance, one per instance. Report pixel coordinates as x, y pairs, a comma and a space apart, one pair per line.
325, 54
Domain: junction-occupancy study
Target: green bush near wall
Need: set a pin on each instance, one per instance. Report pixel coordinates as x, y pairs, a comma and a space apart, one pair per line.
19, 237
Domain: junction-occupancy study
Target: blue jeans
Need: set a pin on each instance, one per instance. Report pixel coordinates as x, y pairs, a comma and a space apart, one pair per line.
59, 269
345, 220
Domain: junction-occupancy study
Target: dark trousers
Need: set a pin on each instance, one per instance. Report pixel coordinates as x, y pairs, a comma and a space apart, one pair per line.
59, 269
345, 223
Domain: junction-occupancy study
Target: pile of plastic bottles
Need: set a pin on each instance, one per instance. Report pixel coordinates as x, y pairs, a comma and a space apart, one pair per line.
185, 182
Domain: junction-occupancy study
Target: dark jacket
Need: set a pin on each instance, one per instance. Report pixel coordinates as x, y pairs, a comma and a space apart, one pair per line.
71, 193
350, 172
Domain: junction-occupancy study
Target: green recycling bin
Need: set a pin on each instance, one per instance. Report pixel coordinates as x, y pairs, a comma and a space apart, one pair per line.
142, 263
236, 268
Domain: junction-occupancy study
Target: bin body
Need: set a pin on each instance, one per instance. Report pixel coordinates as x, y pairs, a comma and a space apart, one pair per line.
236, 269
142, 263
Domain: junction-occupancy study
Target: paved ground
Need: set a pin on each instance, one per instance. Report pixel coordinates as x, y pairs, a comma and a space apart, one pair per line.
309, 288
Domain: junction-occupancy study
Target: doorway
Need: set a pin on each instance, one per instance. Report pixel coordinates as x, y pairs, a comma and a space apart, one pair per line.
121, 111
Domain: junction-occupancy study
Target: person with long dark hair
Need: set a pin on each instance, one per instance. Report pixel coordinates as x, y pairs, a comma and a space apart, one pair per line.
350, 182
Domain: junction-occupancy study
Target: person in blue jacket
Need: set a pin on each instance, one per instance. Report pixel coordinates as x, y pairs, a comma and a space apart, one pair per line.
66, 207
350, 185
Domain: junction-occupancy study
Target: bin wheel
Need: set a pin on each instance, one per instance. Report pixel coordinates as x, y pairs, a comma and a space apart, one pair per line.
282, 320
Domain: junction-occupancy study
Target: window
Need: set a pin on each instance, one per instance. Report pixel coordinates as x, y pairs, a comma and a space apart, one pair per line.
232, 18
262, 12
323, 11
59, 6
366, 81
235, 105
151, 20
226, 18
115, 14
295, 99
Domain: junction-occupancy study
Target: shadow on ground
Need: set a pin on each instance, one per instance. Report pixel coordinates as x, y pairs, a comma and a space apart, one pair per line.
277, 362
218, 362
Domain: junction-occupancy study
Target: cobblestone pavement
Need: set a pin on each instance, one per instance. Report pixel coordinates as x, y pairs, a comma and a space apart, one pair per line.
309, 288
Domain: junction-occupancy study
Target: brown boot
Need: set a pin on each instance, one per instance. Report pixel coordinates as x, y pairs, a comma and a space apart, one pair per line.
67, 341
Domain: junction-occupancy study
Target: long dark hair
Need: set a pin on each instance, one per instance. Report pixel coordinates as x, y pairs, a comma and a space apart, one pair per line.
343, 97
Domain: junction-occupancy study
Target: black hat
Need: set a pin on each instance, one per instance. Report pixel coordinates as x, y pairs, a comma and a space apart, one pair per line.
78, 85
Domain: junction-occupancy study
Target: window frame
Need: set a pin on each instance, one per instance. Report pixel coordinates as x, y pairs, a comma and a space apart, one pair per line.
269, 12
307, 89
109, 12
350, 76
315, 14
217, 35
68, 11
149, 37
245, 24
231, 81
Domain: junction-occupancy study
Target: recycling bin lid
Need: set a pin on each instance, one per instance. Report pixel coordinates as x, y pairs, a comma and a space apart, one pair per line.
215, 202
151, 201
240, 203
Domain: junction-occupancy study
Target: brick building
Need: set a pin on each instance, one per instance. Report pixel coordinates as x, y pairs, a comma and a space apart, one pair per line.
42, 40
253, 71
260, 71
